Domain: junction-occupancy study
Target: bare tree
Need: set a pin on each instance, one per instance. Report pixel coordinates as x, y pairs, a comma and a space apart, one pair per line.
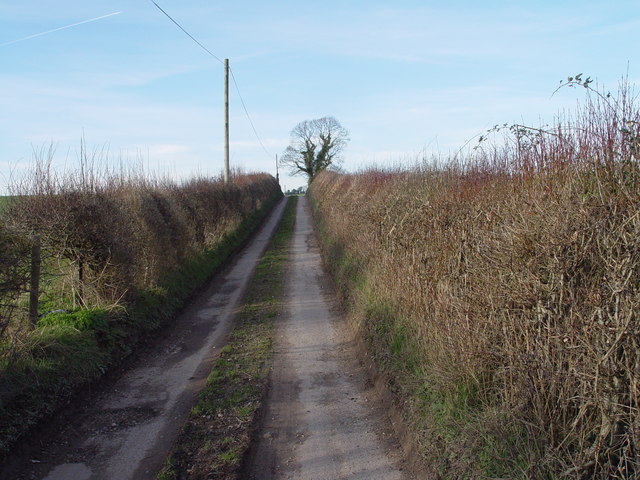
315, 145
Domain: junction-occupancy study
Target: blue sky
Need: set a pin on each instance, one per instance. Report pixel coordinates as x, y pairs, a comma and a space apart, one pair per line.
404, 77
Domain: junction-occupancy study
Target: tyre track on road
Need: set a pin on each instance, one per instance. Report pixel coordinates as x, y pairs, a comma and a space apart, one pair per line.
323, 419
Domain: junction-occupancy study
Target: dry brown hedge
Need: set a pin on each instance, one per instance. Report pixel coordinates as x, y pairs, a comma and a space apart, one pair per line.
121, 254
503, 295
107, 239
14, 273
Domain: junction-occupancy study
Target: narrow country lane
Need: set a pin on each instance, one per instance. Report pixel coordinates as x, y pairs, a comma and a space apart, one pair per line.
322, 419
128, 430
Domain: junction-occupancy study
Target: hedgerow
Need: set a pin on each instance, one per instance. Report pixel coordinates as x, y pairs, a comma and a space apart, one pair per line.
500, 294
120, 255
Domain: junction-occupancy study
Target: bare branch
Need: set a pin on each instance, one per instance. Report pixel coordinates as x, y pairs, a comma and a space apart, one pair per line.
315, 146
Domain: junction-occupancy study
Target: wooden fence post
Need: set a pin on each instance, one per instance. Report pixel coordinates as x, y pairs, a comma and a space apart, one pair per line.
35, 280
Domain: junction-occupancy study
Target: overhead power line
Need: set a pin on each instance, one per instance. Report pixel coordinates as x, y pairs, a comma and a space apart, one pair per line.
187, 33
244, 106
248, 116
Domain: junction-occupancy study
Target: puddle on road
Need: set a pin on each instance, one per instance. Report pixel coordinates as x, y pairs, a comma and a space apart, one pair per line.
116, 419
209, 313
77, 471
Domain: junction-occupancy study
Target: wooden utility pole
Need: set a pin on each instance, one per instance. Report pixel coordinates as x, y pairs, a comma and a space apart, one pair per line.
226, 120
277, 172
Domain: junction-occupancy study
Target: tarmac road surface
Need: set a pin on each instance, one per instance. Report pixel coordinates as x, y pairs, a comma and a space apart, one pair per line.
322, 419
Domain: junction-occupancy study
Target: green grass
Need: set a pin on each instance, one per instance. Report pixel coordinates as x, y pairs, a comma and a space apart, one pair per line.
218, 432
4, 201
68, 350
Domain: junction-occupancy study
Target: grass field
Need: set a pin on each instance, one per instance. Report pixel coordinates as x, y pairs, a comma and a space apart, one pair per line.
4, 200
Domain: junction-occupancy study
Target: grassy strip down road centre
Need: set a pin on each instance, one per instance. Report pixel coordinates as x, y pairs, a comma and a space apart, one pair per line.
218, 432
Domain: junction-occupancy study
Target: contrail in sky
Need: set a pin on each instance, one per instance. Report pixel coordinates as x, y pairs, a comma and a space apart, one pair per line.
57, 29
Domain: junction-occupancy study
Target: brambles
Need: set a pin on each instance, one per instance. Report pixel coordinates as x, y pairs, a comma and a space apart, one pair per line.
501, 294
14, 274
107, 236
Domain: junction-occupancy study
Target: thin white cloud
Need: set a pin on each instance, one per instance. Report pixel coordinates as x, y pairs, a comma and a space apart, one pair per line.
272, 143
47, 32
400, 77
165, 150
419, 34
